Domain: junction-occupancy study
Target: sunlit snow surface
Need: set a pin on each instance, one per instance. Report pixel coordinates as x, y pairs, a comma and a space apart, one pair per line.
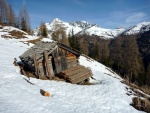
107, 95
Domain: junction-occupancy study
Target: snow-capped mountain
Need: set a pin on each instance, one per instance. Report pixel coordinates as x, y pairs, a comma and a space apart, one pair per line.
83, 27
79, 28
102, 32
82, 24
56, 24
141, 27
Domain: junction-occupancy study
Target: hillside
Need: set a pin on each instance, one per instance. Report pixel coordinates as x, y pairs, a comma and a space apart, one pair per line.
9, 32
107, 94
127, 53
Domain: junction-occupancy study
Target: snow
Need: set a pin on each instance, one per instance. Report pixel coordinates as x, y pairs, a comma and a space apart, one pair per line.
10, 28
56, 24
102, 32
80, 27
47, 40
107, 95
83, 27
136, 29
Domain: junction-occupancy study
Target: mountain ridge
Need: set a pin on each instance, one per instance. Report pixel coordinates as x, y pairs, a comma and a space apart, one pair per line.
83, 27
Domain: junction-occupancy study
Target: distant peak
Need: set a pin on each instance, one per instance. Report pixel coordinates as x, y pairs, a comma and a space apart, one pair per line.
56, 20
84, 21
119, 27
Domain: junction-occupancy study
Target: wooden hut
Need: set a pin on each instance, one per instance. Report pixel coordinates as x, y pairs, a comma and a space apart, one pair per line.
49, 59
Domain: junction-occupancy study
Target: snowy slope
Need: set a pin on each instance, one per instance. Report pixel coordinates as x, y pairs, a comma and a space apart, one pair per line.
102, 32
79, 28
143, 26
107, 95
5, 31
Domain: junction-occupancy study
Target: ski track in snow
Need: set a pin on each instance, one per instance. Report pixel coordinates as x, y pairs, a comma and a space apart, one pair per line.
108, 95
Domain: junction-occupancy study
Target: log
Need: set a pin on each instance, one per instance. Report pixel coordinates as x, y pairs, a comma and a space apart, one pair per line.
44, 93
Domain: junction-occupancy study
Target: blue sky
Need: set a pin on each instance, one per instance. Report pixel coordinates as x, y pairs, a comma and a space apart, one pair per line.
105, 13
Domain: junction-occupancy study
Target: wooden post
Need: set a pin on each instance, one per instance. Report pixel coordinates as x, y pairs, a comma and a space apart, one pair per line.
46, 64
36, 66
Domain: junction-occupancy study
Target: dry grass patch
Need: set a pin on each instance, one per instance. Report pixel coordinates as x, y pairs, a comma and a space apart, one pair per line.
142, 101
35, 40
3, 24
141, 104
145, 89
17, 34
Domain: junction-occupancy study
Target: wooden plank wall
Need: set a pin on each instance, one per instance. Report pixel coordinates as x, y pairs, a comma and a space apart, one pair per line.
64, 59
43, 70
72, 60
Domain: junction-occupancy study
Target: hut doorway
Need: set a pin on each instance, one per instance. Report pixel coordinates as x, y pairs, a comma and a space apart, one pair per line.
60, 64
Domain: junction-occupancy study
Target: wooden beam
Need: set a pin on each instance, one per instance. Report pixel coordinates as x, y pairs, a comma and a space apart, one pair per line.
46, 64
36, 66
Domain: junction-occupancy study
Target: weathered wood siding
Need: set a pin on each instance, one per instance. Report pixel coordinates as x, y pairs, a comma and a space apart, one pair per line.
63, 59
43, 74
